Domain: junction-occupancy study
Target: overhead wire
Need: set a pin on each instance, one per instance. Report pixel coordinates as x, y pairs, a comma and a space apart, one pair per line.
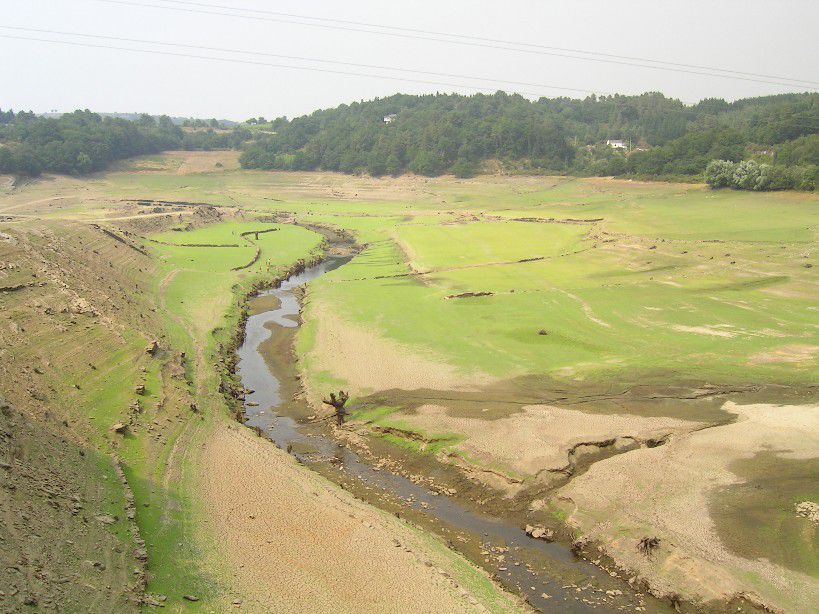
288, 66
485, 39
300, 58
476, 43
257, 63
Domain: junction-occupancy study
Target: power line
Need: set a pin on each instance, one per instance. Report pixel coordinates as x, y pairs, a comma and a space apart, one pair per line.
489, 40
257, 63
486, 45
268, 64
300, 58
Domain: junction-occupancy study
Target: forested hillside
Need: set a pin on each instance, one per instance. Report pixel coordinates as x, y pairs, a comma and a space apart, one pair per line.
436, 134
431, 135
83, 142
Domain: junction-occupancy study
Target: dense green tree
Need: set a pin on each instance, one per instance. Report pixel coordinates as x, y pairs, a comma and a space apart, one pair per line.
748, 175
752, 175
720, 173
83, 142
435, 134
802, 150
449, 133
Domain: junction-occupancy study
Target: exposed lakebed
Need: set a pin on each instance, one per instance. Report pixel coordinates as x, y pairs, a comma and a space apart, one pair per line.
548, 575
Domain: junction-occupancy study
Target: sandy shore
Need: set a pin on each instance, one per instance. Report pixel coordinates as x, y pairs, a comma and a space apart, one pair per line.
291, 541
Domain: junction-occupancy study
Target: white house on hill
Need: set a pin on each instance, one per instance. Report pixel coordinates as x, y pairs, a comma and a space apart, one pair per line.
616, 143
389, 118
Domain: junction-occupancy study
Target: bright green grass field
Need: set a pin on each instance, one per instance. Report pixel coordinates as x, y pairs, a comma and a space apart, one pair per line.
672, 283
463, 245
671, 280
197, 280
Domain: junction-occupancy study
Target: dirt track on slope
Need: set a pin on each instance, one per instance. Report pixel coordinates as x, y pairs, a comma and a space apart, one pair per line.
295, 544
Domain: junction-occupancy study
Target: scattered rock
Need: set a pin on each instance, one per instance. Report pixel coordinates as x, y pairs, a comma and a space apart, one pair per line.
579, 545
152, 348
120, 428
539, 532
154, 601
106, 519
190, 598
809, 510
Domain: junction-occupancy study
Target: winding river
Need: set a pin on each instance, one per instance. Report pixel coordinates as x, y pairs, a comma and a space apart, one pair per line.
547, 574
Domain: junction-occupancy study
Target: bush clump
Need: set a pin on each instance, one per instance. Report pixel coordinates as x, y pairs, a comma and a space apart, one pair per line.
759, 177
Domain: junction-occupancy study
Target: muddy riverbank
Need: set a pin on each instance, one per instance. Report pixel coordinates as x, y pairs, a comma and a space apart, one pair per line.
548, 575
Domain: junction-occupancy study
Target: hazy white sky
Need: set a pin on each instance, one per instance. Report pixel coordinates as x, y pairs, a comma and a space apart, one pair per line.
771, 37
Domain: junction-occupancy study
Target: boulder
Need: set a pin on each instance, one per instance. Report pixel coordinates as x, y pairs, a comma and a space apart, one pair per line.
106, 519
538, 532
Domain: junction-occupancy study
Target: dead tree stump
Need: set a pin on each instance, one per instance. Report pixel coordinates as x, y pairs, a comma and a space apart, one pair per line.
337, 402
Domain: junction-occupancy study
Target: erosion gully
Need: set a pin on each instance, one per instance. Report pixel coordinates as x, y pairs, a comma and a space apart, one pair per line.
546, 574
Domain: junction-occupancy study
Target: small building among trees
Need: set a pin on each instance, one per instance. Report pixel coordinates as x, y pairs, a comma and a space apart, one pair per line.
616, 143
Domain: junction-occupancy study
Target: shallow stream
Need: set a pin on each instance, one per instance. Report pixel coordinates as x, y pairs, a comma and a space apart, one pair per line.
548, 575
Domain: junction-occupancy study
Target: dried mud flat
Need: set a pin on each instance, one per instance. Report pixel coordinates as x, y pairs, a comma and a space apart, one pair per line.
385, 364
543, 438
296, 544
730, 502
618, 469
668, 492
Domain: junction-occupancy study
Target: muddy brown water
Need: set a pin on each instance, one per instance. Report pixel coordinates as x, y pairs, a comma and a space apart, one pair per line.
548, 575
